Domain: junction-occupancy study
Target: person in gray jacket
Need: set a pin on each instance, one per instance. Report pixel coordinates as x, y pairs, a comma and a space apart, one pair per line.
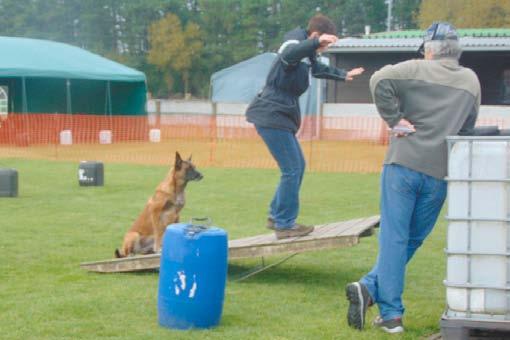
276, 115
423, 101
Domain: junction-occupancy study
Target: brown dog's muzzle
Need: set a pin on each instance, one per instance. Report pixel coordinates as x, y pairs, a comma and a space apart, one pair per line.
193, 175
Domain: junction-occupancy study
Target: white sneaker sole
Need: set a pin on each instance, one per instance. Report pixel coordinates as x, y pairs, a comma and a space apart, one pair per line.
361, 303
395, 330
356, 318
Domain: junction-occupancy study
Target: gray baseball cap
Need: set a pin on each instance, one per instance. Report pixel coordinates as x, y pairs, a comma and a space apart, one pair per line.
439, 31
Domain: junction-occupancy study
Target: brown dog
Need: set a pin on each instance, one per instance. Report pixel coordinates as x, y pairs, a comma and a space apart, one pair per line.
162, 209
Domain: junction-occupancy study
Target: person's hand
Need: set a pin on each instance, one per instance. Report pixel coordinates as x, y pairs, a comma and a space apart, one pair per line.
403, 124
327, 39
354, 72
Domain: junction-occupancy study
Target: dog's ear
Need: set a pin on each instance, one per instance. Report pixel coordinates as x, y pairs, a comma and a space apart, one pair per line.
189, 159
178, 161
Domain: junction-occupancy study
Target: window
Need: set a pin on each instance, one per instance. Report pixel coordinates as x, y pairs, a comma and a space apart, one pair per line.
4, 103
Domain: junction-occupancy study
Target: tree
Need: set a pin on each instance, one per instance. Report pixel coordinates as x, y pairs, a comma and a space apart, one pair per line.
466, 13
174, 47
405, 14
358, 13
230, 30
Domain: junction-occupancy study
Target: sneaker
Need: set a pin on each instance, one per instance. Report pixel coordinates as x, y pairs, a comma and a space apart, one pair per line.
270, 224
359, 301
389, 326
294, 231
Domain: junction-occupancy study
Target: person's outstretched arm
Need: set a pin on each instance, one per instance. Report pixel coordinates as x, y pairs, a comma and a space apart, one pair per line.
323, 71
293, 51
320, 70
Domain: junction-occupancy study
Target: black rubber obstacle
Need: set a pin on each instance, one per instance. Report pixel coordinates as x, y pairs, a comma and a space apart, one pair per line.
91, 173
8, 183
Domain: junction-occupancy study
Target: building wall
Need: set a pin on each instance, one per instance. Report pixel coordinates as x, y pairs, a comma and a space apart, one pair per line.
357, 91
487, 65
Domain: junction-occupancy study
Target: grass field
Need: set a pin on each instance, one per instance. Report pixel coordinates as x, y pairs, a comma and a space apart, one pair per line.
54, 225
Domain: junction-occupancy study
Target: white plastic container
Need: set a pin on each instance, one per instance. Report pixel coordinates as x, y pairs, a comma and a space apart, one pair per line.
155, 135
66, 137
105, 137
478, 245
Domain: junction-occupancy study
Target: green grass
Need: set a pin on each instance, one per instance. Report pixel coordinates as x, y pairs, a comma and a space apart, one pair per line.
54, 225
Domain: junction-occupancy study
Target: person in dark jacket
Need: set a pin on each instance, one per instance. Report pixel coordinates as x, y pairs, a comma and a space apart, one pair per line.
277, 118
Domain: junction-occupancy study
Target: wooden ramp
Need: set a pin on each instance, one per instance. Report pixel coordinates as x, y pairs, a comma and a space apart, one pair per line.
331, 235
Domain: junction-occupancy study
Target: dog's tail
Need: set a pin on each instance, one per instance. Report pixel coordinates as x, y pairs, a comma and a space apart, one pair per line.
128, 246
118, 254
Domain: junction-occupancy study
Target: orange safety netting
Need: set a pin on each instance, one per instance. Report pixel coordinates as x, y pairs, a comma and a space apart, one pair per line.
350, 144
346, 144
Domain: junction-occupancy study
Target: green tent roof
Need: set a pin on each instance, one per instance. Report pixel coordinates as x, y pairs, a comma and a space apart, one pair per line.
22, 57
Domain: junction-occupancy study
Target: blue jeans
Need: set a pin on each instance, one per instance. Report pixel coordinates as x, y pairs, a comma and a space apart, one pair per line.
285, 149
410, 204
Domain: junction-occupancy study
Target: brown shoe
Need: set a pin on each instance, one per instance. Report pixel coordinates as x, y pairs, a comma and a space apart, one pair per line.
295, 231
270, 224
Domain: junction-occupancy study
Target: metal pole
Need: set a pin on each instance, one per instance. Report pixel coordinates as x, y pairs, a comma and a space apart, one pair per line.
507, 314
389, 18
110, 105
318, 115
24, 109
69, 106
24, 104
469, 231
109, 97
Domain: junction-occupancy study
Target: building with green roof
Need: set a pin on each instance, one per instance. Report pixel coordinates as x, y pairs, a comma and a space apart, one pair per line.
486, 51
462, 32
40, 76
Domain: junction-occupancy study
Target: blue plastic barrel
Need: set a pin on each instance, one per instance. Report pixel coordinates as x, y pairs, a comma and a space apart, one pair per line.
192, 276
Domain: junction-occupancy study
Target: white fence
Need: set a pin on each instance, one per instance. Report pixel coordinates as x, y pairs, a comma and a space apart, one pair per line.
164, 106
344, 121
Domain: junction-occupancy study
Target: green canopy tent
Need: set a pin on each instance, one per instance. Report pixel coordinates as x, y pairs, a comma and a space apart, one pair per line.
43, 76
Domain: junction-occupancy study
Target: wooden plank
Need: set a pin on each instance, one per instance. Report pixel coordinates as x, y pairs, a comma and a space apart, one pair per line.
322, 229
330, 235
259, 239
342, 228
295, 247
350, 230
360, 227
126, 264
333, 230
270, 238
356, 227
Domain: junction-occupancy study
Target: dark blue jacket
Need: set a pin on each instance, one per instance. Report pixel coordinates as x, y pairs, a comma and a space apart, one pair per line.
277, 105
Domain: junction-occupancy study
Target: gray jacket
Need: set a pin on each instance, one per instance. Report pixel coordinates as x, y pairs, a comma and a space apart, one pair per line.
439, 97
